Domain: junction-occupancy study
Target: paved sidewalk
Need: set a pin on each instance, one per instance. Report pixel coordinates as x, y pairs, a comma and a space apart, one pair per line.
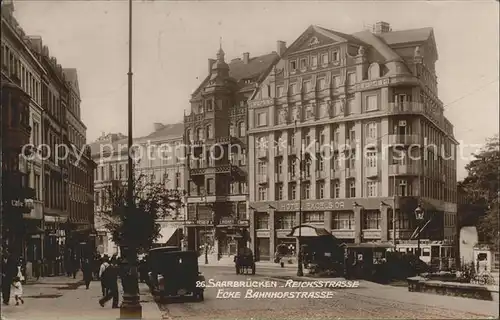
51, 301
56, 280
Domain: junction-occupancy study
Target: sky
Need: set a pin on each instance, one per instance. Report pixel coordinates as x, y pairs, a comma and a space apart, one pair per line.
172, 42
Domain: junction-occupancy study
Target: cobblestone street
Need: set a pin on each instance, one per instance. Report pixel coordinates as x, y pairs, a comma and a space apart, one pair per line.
368, 301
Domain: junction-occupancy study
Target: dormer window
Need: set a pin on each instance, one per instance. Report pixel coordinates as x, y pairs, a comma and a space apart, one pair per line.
303, 63
314, 61
335, 56
324, 58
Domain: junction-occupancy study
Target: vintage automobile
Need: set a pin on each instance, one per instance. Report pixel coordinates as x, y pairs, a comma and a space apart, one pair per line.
244, 260
175, 274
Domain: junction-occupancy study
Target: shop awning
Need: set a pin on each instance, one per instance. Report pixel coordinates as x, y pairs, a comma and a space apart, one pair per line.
166, 232
309, 231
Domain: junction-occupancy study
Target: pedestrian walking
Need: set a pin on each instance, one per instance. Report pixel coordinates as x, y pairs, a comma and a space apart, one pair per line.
75, 266
96, 264
7, 276
110, 278
87, 272
37, 268
18, 290
102, 269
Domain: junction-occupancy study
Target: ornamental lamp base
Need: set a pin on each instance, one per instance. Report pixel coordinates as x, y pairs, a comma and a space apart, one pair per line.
131, 308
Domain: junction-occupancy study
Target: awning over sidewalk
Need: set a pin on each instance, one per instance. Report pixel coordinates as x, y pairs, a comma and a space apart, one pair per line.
166, 233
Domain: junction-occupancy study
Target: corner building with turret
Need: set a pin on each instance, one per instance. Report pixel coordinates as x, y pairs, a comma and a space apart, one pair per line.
372, 99
217, 223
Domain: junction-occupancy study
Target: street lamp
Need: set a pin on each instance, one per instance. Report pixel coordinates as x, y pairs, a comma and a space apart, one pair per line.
131, 307
419, 215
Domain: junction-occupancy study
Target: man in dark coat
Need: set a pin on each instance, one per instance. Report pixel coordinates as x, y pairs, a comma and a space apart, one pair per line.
87, 272
8, 274
110, 278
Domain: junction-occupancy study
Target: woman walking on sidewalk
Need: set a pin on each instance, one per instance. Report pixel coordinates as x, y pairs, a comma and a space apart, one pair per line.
87, 272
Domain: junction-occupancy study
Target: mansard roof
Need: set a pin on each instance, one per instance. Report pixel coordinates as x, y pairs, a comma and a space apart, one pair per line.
255, 70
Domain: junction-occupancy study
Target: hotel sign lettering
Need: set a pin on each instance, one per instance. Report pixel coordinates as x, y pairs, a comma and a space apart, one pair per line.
313, 206
372, 84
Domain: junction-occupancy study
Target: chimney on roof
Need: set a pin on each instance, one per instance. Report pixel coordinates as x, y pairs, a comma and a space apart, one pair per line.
210, 64
381, 27
157, 126
246, 57
280, 47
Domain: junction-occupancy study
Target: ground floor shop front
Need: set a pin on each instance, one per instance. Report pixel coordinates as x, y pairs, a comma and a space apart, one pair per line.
362, 220
223, 240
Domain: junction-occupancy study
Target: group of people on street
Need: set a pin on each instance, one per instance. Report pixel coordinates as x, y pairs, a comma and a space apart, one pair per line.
106, 270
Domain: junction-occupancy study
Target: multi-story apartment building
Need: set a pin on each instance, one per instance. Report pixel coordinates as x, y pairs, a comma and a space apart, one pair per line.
110, 154
17, 102
55, 94
43, 80
163, 160
215, 131
80, 174
362, 114
24, 69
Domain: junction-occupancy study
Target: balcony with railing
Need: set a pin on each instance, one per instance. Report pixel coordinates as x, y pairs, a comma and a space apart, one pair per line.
403, 169
261, 153
371, 172
350, 173
405, 139
320, 175
405, 107
335, 174
262, 179
433, 112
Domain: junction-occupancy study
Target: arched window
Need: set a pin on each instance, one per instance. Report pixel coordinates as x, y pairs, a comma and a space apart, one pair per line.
199, 134
241, 129
189, 135
231, 130
210, 132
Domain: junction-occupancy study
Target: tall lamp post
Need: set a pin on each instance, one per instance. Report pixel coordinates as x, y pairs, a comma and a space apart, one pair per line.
204, 198
300, 271
130, 307
419, 215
